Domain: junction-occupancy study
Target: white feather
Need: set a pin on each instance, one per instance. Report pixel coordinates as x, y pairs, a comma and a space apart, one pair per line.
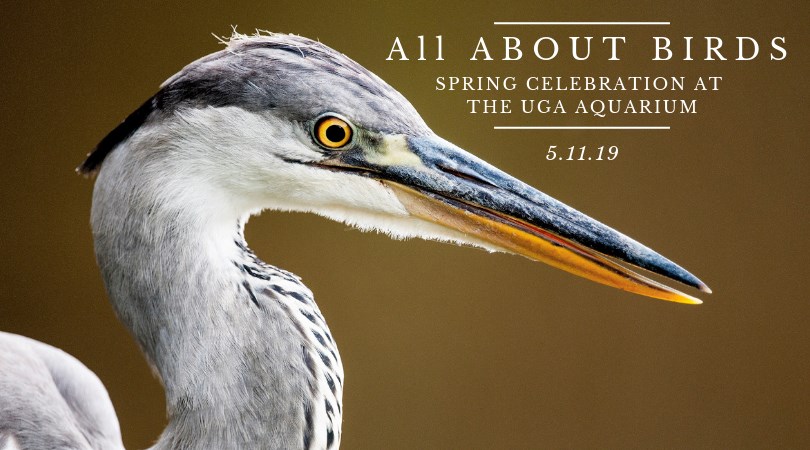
247, 155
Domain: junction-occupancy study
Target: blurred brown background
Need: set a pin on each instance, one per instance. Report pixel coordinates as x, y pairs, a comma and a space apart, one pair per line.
448, 347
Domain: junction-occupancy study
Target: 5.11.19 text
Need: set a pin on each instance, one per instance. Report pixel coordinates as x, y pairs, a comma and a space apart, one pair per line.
573, 153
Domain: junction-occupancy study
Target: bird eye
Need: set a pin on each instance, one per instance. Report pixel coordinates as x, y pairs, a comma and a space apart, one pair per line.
332, 132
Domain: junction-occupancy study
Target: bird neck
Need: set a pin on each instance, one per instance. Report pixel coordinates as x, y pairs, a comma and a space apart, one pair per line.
245, 356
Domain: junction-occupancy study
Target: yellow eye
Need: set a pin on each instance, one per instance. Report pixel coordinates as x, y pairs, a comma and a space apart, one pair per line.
332, 132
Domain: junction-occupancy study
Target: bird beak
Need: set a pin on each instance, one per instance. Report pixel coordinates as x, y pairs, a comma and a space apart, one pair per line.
441, 183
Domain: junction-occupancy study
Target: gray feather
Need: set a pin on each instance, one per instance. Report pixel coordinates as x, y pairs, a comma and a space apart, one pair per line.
52, 401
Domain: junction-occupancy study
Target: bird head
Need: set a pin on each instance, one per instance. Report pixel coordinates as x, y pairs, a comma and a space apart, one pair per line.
283, 122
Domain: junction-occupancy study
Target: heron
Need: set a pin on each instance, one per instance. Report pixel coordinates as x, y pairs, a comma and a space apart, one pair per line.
273, 122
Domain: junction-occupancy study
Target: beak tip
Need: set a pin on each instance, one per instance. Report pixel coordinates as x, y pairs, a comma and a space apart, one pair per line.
672, 295
704, 288
687, 299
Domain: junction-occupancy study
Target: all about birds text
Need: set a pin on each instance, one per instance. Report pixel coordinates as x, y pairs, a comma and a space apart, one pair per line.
547, 48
